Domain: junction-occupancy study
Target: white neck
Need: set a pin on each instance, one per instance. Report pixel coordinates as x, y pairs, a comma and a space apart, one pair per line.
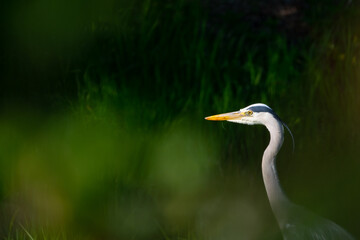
278, 200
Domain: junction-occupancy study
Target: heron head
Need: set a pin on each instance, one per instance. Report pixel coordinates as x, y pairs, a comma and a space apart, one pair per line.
257, 113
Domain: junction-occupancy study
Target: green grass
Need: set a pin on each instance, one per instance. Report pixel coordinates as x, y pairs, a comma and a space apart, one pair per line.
121, 150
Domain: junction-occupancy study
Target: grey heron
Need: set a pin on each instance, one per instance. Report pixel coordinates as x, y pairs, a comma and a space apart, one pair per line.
295, 222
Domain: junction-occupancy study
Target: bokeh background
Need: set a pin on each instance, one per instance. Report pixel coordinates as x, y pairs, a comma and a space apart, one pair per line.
102, 106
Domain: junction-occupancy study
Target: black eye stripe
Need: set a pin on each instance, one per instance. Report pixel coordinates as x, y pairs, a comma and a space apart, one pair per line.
261, 109
264, 109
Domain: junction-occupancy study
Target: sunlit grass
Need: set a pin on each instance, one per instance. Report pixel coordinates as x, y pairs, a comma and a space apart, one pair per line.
83, 172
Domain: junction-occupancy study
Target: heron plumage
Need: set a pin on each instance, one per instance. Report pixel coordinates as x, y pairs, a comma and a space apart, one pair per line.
296, 223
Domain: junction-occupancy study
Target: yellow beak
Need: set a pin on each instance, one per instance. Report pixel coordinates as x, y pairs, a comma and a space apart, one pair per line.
226, 116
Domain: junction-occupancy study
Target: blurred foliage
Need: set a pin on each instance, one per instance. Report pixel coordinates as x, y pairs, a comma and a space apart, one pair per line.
102, 129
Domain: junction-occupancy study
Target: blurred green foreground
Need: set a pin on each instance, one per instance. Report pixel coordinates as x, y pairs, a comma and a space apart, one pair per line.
102, 117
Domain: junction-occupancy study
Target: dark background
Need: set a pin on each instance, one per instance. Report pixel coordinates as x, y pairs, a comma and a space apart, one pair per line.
102, 106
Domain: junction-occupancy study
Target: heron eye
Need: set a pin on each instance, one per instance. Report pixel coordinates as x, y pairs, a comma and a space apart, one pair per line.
249, 113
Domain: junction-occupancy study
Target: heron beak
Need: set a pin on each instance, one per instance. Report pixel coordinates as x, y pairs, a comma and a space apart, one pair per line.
226, 116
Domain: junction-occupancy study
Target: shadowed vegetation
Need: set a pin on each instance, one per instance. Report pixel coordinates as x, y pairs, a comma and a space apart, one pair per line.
102, 117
